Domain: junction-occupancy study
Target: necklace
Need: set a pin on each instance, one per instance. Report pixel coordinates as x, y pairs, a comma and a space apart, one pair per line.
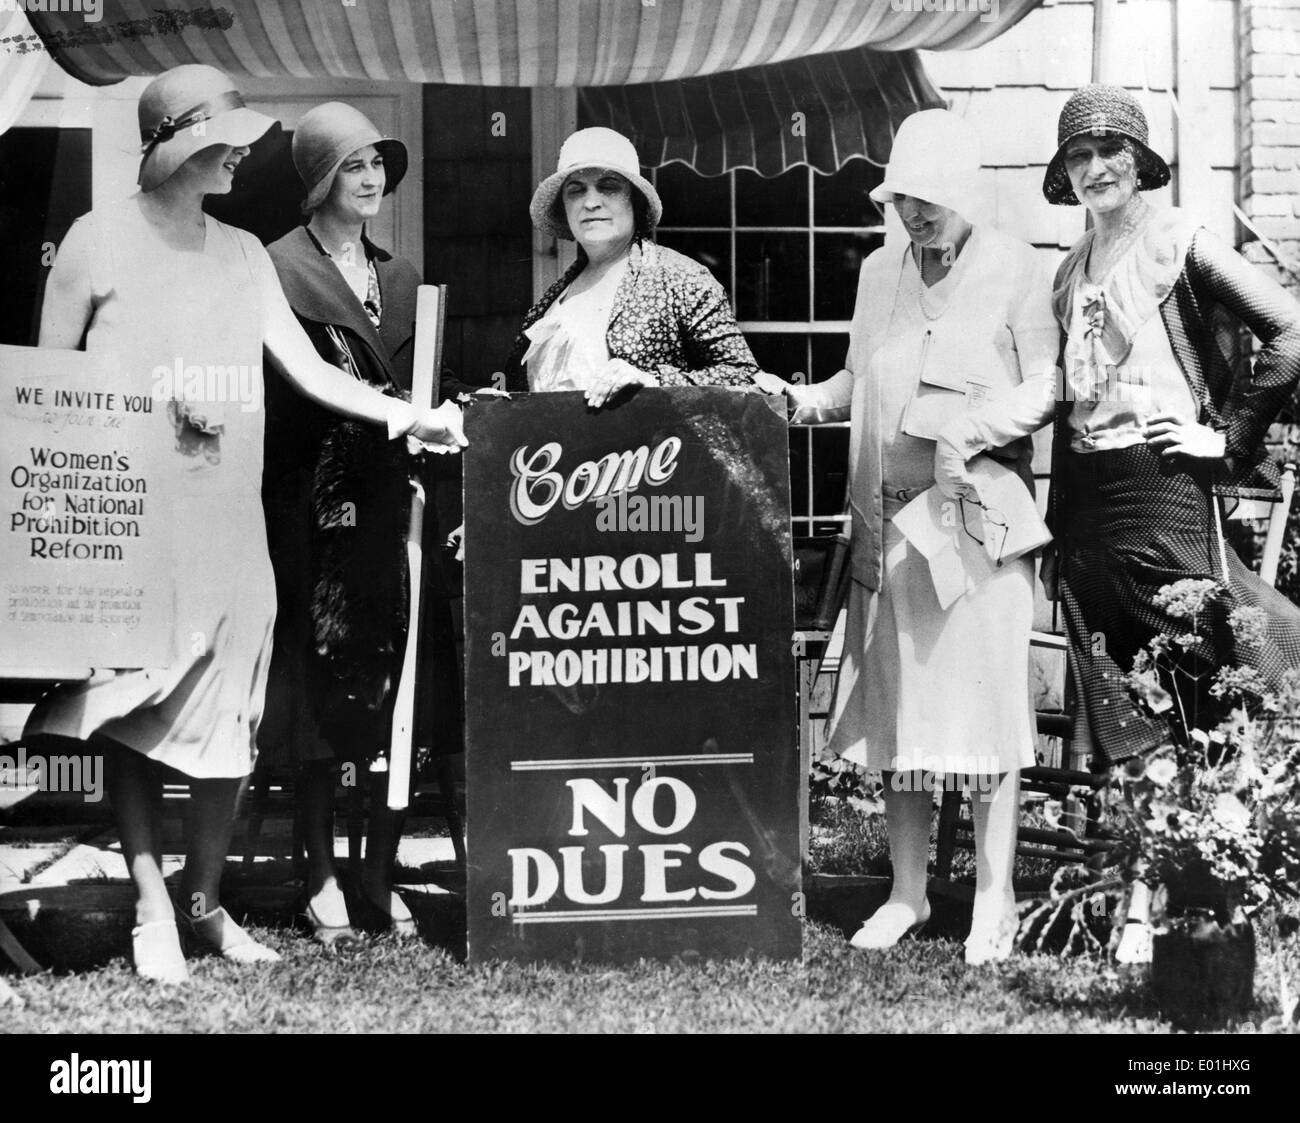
922, 294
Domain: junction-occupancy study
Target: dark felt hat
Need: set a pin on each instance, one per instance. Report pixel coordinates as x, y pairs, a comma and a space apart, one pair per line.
326, 136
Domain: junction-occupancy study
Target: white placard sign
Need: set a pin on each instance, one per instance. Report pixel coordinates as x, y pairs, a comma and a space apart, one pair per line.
85, 545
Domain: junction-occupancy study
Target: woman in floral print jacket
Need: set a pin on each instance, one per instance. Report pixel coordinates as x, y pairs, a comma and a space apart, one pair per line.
628, 312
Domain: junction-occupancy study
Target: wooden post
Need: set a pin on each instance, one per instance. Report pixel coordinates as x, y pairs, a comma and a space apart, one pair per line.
430, 308
1105, 39
1194, 176
1277, 528
555, 116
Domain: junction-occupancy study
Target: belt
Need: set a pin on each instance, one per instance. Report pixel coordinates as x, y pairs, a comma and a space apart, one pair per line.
902, 494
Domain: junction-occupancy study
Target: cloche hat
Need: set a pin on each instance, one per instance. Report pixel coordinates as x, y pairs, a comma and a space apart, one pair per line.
935, 157
185, 110
326, 136
591, 148
1098, 110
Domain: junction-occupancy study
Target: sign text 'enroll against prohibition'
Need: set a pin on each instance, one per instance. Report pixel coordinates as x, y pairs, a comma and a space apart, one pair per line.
85, 544
632, 772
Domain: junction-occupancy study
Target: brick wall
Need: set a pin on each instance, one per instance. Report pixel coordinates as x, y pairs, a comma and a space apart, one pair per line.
1269, 45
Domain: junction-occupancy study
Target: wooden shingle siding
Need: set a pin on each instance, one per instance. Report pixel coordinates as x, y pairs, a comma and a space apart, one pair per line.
1011, 90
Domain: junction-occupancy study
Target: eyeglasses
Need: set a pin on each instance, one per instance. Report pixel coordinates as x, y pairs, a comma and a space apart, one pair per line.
995, 525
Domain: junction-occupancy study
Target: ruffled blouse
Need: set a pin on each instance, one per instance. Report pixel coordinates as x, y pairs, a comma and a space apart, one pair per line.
1120, 368
567, 346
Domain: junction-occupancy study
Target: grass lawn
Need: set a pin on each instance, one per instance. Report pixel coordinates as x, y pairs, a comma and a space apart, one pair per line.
386, 985
390, 986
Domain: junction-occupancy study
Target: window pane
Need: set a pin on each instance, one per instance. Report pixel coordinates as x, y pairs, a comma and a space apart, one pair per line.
841, 199
772, 276
830, 474
45, 178
830, 458
837, 260
693, 200
799, 476
829, 353
778, 353
780, 201
710, 250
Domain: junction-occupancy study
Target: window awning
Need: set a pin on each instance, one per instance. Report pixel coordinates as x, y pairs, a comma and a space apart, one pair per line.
821, 110
503, 42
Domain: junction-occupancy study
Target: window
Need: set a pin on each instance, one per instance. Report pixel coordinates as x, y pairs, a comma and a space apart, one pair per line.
788, 250
44, 186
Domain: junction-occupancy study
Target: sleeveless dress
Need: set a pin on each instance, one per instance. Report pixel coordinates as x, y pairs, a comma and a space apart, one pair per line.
155, 309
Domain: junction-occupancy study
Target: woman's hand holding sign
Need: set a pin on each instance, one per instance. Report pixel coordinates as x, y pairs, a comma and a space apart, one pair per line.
618, 375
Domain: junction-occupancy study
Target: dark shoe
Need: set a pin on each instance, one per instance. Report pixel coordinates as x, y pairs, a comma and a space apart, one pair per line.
377, 918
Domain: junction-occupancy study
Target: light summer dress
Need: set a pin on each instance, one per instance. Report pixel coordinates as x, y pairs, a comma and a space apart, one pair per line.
154, 307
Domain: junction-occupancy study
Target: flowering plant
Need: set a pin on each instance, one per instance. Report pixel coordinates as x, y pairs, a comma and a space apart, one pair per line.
1211, 816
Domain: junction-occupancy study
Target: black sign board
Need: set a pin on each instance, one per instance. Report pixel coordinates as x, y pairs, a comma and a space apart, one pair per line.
632, 767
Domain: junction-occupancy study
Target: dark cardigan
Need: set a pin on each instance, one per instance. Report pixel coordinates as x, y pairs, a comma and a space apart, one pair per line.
670, 318
1214, 286
338, 500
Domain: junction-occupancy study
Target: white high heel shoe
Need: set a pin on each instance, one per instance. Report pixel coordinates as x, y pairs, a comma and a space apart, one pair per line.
889, 924
218, 930
1134, 943
992, 943
156, 952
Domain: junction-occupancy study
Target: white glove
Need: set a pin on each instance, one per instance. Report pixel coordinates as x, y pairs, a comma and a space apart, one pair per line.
950, 474
457, 538
771, 383
433, 430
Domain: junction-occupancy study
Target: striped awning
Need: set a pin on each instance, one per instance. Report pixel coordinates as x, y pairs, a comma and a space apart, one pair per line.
502, 42
821, 110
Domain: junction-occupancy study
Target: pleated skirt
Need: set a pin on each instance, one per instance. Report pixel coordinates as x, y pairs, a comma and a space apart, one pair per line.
922, 688
1128, 523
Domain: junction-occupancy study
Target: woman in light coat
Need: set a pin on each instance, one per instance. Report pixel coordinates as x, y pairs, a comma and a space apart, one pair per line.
951, 356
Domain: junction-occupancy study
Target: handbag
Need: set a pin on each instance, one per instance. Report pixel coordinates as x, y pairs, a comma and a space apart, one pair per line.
944, 390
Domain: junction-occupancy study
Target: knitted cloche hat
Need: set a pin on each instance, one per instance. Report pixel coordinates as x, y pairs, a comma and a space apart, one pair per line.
326, 136
591, 148
1100, 110
185, 110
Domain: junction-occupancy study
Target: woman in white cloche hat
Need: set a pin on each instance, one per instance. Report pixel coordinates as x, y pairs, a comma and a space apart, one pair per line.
951, 356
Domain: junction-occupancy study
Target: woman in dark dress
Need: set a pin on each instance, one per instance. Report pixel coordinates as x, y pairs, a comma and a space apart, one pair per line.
338, 504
